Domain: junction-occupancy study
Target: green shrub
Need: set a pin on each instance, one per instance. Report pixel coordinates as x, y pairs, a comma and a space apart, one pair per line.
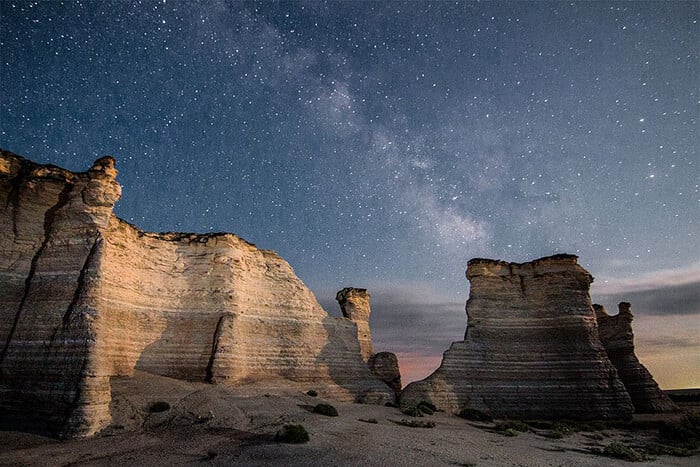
416, 423
475, 415
517, 425
412, 412
160, 406
294, 434
326, 409
426, 407
622, 451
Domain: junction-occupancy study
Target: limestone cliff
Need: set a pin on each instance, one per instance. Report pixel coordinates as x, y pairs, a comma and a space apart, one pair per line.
385, 366
354, 303
531, 349
85, 296
618, 340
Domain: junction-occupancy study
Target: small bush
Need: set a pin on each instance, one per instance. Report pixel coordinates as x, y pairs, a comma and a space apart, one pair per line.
312, 393
416, 423
517, 425
326, 409
294, 434
426, 407
160, 406
621, 451
412, 412
665, 450
475, 415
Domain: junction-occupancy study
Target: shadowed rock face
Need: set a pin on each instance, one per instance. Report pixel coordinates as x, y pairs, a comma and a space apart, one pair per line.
618, 340
354, 303
85, 296
385, 366
531, 348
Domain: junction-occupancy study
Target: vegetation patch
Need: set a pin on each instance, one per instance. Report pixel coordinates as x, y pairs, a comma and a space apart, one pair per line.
412, 412
619, 450
325, 409
426, 407
312, 393
475, 415
293, 434
514, 425
159, 406
416, 423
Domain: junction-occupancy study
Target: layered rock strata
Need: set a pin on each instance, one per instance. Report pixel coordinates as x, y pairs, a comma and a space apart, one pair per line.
531, 349
85, 296
617, 338
354, 303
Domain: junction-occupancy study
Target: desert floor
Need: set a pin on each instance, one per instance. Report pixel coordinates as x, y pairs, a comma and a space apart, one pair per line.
209, 424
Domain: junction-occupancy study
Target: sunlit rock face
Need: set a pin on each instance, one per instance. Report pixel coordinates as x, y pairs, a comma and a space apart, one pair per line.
85, 296
531, 349
354, 303
618, 340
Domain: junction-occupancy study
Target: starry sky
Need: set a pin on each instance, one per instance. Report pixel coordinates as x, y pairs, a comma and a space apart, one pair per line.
384, 144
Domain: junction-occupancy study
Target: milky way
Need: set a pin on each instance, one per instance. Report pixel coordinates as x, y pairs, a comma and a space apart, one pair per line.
383, 144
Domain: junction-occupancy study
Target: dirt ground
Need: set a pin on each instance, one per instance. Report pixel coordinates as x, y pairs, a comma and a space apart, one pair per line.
212, 425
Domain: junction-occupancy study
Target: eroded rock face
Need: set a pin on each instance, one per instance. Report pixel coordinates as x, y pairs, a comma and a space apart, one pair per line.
385, 366
85, 296
354, 303
618, 340
531, 349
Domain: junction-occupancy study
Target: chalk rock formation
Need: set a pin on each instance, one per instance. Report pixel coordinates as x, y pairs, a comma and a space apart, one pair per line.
385, 366
354, 304
617, 338
531, 349
85, 296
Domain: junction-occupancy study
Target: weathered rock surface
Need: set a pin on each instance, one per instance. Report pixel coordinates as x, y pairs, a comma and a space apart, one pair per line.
531, 349
617, 338
85, 296
354, 303
385, 366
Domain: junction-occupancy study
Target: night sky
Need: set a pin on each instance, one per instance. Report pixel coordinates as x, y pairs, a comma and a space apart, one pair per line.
384, 144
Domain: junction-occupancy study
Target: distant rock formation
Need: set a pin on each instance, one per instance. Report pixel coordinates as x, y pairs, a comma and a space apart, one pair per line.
354, 304
617, 338
85, 296
385, 366
531, 348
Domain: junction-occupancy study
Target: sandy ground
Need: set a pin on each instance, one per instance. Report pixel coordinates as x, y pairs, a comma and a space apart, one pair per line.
211, 425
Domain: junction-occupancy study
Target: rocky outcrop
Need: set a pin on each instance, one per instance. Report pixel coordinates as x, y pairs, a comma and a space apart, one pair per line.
385, 366
617, 338
354, 303
531, 349
85, 296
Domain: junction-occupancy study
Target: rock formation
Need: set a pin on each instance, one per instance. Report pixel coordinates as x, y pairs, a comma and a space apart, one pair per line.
617, 338
531, 349
385, 366
85, 296
354, 304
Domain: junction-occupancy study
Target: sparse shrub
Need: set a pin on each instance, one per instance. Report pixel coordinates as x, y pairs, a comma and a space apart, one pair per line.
159, 406
426, 407
665, 450
517, 425
326, 409
508, 432
312, 393
294, 434
416, 423
621, 451
475, 415
412, 412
